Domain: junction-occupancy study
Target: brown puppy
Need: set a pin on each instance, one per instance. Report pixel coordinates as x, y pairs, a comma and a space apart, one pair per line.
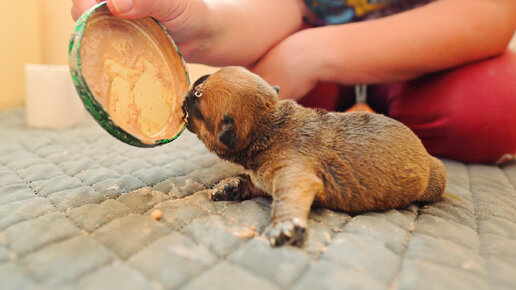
353, 162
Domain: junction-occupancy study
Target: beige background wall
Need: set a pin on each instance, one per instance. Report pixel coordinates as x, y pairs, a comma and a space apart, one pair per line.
31, 31
21, 38
512, 45
56, 26
37, 31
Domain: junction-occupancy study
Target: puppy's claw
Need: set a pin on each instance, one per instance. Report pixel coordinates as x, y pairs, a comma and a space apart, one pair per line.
291, 232
229, 189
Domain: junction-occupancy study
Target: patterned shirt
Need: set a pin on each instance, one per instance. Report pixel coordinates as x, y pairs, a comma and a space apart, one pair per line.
332, 12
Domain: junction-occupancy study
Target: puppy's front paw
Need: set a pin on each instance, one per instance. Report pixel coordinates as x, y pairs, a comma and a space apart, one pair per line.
290, 232
228, 189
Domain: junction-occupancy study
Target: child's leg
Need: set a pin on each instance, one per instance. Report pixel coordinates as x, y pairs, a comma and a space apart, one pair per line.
467, 114
330, 97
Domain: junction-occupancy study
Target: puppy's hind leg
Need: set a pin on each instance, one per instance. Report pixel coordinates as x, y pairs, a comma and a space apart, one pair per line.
235, 189
294, 193
436, 182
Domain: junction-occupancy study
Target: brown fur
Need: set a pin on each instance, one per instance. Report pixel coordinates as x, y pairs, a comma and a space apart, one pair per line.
353, 162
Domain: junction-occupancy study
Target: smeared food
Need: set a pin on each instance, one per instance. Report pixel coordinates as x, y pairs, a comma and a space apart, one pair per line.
135, 74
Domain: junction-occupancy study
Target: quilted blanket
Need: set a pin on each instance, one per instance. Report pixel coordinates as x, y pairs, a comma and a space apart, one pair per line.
75, 213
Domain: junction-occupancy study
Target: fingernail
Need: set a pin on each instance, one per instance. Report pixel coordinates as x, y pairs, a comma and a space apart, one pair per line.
123, 6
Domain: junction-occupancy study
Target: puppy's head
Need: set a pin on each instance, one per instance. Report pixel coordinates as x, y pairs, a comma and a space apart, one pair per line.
223, 109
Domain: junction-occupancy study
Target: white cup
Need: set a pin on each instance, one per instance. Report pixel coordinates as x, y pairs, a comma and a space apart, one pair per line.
51, 100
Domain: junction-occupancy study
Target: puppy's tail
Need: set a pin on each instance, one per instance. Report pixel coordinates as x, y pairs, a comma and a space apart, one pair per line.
436, 182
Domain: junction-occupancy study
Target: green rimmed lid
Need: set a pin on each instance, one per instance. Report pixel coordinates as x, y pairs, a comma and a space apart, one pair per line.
130, 76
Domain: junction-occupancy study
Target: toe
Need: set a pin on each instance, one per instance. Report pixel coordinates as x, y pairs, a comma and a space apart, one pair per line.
286, 233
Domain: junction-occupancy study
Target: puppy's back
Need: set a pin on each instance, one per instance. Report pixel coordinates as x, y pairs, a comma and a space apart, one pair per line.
376, 158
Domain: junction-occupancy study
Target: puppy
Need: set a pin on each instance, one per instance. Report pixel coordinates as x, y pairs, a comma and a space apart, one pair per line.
352, 162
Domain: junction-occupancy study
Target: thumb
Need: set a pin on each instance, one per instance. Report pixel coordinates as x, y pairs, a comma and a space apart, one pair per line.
162, 10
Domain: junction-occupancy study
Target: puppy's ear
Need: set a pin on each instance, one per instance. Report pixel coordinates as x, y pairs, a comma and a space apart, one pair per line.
276, 88
200, 80
227, 135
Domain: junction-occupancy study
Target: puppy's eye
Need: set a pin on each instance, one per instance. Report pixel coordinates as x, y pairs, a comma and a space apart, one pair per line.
191, 106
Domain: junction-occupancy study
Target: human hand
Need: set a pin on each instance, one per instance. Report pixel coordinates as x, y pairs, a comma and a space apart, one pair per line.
182, 18
80, 6
217, 33
294, 65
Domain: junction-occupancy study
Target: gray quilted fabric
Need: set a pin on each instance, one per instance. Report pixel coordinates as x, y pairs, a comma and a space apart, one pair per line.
75, 204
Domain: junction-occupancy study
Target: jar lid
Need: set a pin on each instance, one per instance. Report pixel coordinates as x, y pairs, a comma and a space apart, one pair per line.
130, 76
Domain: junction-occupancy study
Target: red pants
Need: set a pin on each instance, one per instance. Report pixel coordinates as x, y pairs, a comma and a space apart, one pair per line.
467, 113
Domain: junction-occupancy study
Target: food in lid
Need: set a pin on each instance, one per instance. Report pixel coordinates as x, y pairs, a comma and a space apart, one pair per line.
130, 76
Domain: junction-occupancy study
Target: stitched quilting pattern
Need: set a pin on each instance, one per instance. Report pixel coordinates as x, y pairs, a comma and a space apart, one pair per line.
75, 212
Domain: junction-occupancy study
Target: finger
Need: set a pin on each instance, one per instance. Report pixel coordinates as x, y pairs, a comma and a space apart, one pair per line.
74, 13
162, 10
81, 6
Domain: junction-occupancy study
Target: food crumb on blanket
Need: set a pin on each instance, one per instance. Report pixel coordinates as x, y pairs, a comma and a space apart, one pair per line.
156, 214
245, 233
188, 188
114, 187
